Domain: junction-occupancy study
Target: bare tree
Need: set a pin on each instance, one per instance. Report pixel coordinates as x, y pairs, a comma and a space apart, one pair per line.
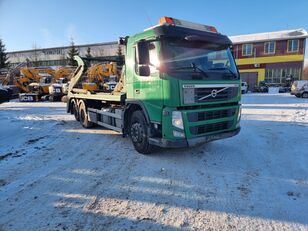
35, 54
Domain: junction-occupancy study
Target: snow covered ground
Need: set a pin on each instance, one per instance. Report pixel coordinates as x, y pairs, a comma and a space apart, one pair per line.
55, 175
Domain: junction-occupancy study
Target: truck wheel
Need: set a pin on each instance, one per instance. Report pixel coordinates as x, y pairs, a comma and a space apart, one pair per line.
83, 115
139, 134
75, 110
305, 95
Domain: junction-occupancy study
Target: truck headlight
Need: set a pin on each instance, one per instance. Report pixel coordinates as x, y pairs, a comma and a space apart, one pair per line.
177, 120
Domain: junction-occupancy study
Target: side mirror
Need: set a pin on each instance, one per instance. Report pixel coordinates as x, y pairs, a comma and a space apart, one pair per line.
143, 70
143, 57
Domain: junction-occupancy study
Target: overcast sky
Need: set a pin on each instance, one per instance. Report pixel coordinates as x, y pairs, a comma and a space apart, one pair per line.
24, 23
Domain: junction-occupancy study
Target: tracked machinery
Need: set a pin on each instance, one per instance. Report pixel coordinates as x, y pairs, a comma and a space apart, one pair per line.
8, 80
101, 77
58, 89
34, 83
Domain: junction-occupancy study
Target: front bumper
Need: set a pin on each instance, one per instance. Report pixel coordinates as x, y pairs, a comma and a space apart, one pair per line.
180, 143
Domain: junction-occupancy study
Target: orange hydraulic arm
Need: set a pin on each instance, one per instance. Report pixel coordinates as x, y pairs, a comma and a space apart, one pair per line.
30, 75
99, 71
63, 72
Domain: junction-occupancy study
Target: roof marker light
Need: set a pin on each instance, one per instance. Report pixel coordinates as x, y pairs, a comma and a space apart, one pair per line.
186, 24
165, 20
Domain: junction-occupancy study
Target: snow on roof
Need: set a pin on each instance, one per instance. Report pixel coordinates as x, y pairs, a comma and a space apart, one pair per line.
276, 35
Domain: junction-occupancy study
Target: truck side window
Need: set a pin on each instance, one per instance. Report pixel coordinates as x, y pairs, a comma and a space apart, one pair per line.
154, 59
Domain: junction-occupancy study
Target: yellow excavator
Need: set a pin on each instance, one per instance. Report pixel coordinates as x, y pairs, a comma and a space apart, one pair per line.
34, 83
60, 83
102, 76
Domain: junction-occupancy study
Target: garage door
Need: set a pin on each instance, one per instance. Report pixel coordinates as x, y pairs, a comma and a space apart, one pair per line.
251, 78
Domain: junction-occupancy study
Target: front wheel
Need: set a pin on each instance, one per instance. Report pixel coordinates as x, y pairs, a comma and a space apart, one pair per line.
139, 133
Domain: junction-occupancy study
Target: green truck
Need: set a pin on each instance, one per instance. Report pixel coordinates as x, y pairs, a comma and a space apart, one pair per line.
179, 87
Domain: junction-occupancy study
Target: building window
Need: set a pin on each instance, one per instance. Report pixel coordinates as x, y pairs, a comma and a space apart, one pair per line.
269, 75
269, 47
247, 49
293, 45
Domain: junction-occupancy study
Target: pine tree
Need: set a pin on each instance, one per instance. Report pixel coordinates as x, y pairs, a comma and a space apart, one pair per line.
119, 52
120, 56
71, 53
3, 56
88, 55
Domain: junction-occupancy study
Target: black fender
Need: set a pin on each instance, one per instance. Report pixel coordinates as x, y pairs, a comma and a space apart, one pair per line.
131, 106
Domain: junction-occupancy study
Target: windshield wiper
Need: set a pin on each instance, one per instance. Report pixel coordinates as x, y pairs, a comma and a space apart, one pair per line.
225, 68
192, 67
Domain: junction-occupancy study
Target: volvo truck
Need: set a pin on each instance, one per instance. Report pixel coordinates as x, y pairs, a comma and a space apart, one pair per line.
179, 87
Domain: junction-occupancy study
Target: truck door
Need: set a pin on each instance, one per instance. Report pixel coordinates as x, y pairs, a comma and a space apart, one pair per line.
148, 89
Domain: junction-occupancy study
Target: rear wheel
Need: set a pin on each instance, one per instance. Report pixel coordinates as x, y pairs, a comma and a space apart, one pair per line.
75, 110
305, 95
83, 115
139, 133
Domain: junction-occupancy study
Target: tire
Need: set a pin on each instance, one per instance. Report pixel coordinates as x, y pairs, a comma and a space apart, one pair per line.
83, 116
298, 95
75, 110
51, 98
64, 99
139, 133
305, 95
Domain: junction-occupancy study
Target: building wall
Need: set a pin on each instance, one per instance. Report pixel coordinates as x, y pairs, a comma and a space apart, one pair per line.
273, 68
58, 56
281, 49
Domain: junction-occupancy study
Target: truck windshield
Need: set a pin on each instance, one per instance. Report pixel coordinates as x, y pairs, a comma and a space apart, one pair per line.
188, 59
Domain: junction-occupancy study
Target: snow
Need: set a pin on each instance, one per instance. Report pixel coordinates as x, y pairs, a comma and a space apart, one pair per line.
55, 175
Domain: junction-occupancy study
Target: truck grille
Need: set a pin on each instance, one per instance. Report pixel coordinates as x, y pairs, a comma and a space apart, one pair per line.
201, 93
209, 115
197, 130
209, 93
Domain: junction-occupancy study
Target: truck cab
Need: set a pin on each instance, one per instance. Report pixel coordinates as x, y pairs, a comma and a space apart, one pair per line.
185, 77
181, 87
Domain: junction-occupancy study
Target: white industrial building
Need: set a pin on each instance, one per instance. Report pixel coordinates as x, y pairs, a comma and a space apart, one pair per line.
57, 56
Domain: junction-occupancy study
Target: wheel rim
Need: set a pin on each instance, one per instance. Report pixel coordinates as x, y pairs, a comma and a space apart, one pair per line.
305, 95
136, 132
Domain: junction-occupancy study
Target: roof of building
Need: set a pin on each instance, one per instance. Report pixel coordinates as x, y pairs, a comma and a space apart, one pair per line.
267, 36
65, 47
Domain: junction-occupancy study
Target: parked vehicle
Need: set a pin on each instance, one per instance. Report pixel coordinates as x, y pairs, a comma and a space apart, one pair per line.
244, 88
262, 87
179, 87
300, 88
58, 89
4, 94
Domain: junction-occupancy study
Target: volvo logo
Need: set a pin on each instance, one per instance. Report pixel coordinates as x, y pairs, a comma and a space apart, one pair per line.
214, 93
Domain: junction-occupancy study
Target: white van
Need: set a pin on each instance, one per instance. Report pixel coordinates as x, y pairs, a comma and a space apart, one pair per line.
300, 88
